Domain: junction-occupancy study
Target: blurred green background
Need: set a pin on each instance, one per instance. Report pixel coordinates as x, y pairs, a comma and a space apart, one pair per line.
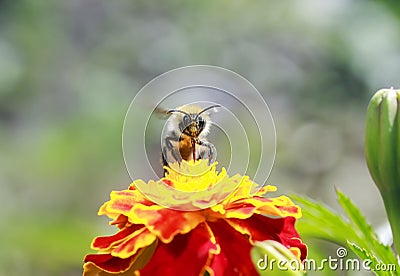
69, 70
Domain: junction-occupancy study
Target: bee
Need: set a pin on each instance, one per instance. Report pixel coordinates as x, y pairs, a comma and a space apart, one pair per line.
185, 132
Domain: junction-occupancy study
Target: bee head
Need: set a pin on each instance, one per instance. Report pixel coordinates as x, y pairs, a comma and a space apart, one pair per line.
192, 124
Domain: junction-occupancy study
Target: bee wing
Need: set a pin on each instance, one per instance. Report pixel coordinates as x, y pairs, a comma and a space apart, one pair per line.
161, 112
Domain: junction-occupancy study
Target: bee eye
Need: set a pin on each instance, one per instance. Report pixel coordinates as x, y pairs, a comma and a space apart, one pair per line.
201, 122
186, 120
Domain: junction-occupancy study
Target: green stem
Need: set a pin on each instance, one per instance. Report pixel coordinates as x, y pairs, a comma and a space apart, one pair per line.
392, 206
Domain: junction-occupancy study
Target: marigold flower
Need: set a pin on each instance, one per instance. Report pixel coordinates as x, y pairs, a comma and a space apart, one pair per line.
155, 240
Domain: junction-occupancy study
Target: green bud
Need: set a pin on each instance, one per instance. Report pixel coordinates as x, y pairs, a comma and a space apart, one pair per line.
382, 150
272, 258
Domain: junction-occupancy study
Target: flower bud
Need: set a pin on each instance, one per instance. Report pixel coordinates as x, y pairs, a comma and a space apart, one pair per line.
382, 150
272, 258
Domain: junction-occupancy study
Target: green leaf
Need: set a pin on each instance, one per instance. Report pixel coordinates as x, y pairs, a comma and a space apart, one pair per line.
372, 261
356, 217
319, 221
365, 230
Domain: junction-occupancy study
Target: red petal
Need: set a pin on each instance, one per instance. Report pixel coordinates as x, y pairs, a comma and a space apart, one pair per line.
168, 182
105, 264
120, 221
277, 207
109, 263
139, 239
166, 223
289, 209
261, 228
234, 257
106, 242
121, 202
185, 255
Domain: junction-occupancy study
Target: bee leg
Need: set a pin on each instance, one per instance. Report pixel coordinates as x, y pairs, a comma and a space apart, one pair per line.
168, 146
212, 151
194, 142
164, 160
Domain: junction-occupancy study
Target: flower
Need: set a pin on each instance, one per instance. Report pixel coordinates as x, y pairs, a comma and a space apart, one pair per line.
155, 240
382, 151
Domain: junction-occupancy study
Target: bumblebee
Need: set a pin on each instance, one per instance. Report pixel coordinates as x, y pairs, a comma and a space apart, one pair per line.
185, 132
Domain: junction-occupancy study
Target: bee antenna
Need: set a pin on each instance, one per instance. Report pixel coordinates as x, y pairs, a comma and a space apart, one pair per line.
207, 108
177, 110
